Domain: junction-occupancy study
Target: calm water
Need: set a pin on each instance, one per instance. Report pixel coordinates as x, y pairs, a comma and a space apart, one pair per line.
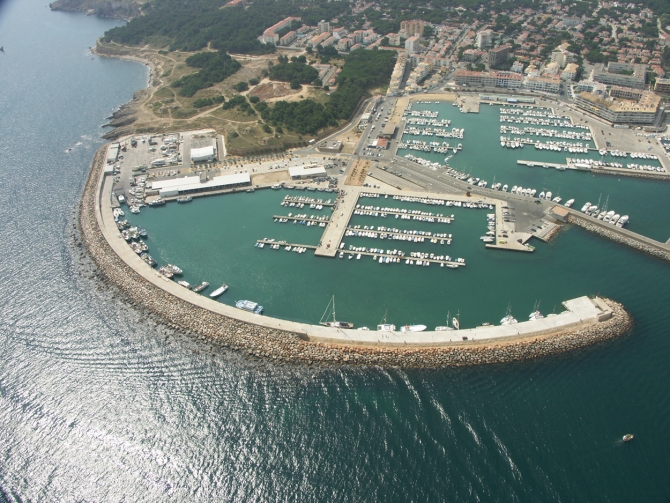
97, 405
482, 156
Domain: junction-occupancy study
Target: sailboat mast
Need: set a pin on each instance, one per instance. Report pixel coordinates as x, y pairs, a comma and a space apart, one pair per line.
334, 308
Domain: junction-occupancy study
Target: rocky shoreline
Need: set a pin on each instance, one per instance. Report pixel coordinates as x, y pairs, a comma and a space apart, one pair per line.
286, 347
618, 238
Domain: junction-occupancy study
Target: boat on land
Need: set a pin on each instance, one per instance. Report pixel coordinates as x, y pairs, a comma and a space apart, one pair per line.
199, 288
628, 437
184, 199
250, 306
333, 324
413, 328
219, 291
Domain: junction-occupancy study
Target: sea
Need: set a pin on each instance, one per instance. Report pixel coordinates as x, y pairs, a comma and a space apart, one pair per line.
100, 403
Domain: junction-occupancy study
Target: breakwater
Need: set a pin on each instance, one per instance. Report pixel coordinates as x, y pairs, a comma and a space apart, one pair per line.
618, 237
288, 347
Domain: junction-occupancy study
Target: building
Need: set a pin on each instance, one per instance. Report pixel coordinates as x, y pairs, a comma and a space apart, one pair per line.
508, 80
419, 74
617, 110
344, 44
542, 84
192, 184
304, 172
203, 154
570, 72
270, 36
323, 26
562, 57
388, 131
591, 87
620, 74
397, 74
662, 86
552, 69
318, 39
484, 39
412, 27
332, 147
412, 44
517, 67
394, 39
571, 21
289, 38
499, 55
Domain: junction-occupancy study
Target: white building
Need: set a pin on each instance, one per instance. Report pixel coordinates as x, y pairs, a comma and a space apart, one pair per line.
324, 26
302, 172
484, 39
542, 84
203, 154
412, 44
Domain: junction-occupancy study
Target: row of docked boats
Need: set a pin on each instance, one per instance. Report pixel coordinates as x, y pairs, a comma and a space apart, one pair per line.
546, 133
608, 217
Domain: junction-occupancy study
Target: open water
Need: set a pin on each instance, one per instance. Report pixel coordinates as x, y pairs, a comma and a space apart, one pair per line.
99, 404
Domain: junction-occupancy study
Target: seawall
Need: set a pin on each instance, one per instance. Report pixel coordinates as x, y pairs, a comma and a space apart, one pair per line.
287, 346
602, 229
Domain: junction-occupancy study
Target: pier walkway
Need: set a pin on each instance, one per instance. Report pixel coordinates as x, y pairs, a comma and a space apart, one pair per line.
307, 200
386, 234
540, 164
332, 236
284, 243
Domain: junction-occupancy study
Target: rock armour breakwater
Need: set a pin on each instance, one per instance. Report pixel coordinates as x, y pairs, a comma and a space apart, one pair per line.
281, 346
618, 238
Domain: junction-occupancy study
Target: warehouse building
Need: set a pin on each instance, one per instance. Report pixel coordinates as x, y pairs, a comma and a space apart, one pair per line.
304, 172
194, 184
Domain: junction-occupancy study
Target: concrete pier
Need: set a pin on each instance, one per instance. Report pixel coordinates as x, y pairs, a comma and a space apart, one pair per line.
540, 164
332, 236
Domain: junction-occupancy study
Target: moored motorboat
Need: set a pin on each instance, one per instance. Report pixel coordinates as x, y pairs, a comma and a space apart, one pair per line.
199, 288
250, 306
219, 291
185, 284
413, 328
628, 437
184, 199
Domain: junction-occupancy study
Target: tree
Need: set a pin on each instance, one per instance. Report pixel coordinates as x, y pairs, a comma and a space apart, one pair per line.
385, 41
241, 86
254, 99
317, 82
295, 84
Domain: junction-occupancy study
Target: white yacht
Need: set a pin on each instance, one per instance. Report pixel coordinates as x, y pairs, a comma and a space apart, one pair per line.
622, 221
219, 291
504, 188
413, 328
569, 203
508, 319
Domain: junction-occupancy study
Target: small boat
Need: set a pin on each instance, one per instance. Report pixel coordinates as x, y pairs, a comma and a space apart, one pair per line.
628, 437
569, 203
184, 199
222, 289
185, 284
199, 288
250, 306
384, 326
174, 268
157, 202
413, 328
334, 323
508, 319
